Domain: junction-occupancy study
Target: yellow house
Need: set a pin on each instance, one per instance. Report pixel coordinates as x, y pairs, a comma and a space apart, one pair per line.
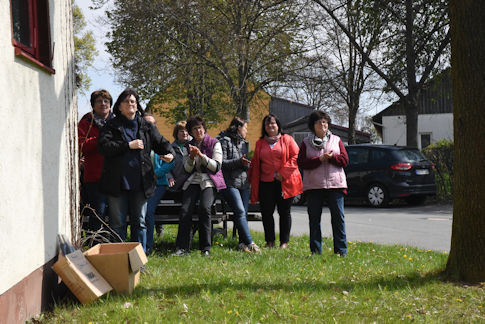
258, 108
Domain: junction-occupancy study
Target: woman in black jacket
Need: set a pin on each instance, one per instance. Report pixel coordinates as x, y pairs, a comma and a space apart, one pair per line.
127, 177
235, 165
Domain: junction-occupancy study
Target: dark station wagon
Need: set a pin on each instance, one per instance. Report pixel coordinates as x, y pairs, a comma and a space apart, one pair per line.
380, 173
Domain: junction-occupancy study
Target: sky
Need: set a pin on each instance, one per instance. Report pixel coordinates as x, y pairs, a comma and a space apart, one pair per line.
101, 73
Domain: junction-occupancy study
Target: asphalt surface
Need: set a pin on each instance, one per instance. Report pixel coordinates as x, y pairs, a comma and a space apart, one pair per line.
426, 227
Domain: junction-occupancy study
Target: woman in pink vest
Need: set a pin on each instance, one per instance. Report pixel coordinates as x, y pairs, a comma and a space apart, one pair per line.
323, 158
275, 178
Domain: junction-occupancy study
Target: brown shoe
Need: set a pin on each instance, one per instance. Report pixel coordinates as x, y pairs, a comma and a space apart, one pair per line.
243, 247
269, 245
284, 246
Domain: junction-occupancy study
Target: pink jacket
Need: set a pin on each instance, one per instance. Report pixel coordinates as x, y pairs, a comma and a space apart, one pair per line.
329, 174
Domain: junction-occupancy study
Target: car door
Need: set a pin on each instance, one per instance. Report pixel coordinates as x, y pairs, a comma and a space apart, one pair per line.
356, 170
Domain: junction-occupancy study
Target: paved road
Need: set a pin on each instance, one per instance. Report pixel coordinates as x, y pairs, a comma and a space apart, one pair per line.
427, 227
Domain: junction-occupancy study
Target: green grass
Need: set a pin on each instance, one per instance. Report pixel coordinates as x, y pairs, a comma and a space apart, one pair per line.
374, 283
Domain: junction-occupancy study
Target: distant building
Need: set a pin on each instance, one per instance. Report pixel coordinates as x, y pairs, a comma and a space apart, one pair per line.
294, 118
435, 116
39, 167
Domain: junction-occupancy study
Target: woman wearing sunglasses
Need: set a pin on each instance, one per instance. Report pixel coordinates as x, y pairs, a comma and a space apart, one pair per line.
323, 158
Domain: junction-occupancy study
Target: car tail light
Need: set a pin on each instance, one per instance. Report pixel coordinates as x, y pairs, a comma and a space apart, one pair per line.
402, 166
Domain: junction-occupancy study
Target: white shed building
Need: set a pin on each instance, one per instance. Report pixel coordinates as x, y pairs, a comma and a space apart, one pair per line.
435, 116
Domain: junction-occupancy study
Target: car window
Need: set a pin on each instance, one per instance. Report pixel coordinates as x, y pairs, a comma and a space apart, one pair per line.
378, 155
410, 155
358, 155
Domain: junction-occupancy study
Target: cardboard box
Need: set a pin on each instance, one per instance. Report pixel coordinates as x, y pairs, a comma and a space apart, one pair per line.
118, 263
81, 277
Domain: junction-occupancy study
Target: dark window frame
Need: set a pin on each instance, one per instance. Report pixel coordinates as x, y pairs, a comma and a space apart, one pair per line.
39, 49
421, 135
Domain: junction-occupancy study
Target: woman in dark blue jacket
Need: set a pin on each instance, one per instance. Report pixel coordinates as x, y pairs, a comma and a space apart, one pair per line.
127, 177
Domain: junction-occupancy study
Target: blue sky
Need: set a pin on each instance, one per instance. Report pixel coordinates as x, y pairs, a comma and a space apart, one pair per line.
101, 74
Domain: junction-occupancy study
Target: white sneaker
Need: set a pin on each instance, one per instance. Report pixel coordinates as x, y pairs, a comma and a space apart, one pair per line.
254, 248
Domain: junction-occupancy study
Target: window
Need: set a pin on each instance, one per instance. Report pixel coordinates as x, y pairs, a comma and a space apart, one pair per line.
378, 155
425, 140
358, 156
31, 32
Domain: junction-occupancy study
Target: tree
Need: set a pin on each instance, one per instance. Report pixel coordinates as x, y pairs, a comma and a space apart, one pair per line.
84, 49
415, 41
466, 261
245, 44
347, 73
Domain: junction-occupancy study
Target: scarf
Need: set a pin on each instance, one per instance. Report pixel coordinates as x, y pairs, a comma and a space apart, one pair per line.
272, 139
320, 143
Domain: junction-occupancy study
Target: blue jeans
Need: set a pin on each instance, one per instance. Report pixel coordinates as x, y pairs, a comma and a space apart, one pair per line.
238, 200
335, 202
131, 203
150, 216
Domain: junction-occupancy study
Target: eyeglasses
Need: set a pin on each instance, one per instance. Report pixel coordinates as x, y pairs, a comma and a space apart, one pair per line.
102, 101
129, 102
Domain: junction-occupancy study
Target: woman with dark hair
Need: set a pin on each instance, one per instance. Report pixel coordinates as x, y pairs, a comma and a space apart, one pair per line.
323, 157
203, 163
275, 178
127, 178
177, 176
88, 134
235, 165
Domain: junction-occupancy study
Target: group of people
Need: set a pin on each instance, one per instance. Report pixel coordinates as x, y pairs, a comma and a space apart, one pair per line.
128, 166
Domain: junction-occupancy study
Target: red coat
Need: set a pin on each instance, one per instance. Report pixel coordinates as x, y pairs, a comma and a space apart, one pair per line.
88, 133
292, 184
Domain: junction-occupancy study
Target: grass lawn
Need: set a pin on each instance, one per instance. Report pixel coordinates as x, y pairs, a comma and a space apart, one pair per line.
374, 283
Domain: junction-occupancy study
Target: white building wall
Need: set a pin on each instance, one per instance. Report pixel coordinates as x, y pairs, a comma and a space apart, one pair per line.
38, 168
440, 126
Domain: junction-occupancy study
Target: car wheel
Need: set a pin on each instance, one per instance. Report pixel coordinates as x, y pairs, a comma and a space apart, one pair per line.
377, 196
415, 200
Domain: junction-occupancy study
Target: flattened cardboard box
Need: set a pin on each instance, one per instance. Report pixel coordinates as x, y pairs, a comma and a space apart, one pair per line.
118, 263
81, 277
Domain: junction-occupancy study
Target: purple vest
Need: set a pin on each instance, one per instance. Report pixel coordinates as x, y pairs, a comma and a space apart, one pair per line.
326, 175
207, 147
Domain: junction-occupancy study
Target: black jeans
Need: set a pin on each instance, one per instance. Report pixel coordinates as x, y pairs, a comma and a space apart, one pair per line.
190, 197
270, 196
99, 202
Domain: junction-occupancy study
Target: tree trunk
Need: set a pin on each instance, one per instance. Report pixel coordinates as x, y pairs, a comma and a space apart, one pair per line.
411, 105
353, 108
411, 98
466, 261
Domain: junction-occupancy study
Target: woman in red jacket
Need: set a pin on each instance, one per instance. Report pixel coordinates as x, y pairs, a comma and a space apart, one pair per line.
88, 134
275, 178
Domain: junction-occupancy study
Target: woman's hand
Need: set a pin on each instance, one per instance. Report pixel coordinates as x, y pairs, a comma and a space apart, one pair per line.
245, 161
171, 182
194, 151
166, 158
136, 144
278, 176
326, 156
